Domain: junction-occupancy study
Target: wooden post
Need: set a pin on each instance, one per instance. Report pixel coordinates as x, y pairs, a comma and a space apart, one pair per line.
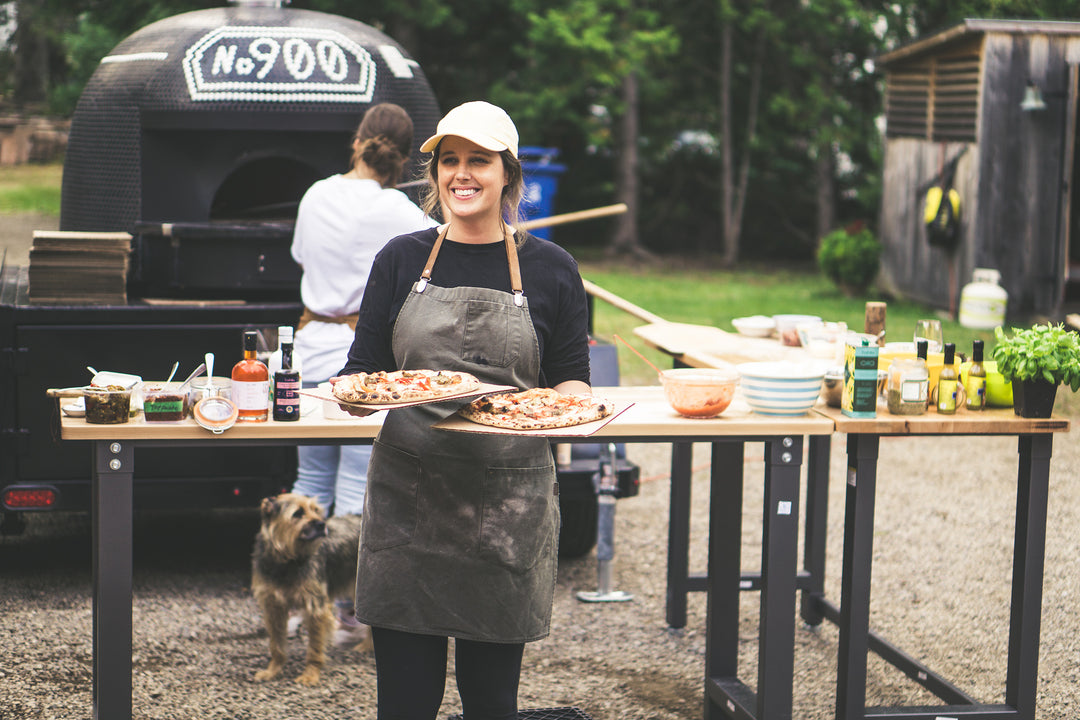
875, 321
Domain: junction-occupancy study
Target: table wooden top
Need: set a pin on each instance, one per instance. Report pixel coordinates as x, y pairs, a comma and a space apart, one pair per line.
650, 416
991, 421
706, 346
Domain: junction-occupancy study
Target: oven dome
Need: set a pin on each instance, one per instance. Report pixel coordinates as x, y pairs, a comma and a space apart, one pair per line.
196, 102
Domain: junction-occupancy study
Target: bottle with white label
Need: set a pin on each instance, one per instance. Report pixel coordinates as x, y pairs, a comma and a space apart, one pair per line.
251, 384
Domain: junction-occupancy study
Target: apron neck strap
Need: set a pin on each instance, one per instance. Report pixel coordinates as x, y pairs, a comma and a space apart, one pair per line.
511, 258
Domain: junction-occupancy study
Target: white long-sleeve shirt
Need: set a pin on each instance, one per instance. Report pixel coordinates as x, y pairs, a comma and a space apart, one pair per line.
341, 224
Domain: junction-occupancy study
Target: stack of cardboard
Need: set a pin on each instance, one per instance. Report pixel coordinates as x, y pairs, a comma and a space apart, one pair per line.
79, 268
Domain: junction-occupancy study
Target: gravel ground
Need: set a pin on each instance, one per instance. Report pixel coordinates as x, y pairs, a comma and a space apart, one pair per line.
941, 591
942, 563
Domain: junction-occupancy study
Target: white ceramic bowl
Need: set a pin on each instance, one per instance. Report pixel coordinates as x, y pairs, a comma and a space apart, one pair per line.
781, 388
754, 325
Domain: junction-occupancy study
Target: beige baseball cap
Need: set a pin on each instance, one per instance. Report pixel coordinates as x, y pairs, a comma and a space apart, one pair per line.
481, 122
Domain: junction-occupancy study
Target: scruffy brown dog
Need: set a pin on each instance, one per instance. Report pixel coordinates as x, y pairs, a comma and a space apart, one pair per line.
302, 560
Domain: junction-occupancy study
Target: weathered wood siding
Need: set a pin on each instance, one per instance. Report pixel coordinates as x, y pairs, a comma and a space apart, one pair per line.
1012, 182
1021, 164
910, 266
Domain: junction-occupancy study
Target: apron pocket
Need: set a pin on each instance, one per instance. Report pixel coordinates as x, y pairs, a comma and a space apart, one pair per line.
487, 338
518, 522
393, 479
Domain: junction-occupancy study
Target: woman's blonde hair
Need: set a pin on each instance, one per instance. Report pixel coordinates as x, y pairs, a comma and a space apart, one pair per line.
510, 201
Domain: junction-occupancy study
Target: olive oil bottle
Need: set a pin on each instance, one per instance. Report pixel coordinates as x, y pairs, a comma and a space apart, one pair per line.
947, 382
975, 386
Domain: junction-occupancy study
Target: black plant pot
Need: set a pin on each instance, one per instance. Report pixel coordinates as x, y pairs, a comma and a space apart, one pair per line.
1033, 398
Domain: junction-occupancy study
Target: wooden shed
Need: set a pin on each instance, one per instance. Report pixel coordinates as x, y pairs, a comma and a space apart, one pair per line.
995, 100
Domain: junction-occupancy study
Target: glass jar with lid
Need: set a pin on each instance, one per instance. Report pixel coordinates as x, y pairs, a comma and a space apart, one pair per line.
908, 386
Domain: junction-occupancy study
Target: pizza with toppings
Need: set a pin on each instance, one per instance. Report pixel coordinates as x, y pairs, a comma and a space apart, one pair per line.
398, 386
536, 409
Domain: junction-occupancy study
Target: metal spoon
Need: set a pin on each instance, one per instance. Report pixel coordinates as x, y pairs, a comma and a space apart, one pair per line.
194, 374
209, 369
175, 366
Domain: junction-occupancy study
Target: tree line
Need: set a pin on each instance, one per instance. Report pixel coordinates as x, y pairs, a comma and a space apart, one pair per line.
734, 129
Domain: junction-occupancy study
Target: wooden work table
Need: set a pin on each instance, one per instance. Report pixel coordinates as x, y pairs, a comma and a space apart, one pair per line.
648, 419
852, 615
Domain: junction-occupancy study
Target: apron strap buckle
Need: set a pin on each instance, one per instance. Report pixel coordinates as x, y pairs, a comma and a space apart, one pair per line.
421, 285
519, 298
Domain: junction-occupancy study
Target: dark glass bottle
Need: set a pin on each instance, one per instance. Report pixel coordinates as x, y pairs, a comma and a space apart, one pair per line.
286, 381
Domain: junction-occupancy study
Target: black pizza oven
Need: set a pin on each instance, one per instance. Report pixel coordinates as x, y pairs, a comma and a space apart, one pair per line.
199, 133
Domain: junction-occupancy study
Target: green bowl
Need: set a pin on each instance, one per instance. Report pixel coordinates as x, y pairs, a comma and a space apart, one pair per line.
998, 392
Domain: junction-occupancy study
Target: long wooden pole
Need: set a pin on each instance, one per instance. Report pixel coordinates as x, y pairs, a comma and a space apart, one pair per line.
625, 305
575, 216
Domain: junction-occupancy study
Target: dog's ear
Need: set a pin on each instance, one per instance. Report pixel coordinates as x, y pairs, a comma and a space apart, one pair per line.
270, 507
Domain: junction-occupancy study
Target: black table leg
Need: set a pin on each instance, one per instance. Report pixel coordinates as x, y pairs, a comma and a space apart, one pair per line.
854, 625
817, 515
111, 506
678, 562
1028, 557
724, 568
779, 560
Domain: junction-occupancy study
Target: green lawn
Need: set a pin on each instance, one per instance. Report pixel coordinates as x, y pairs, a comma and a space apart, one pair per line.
30, 189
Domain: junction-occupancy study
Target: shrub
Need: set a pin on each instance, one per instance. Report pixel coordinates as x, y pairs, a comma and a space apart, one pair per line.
850, 258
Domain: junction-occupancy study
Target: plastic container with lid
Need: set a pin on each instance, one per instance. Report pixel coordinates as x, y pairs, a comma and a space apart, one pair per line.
164, 402
983, 300
107, 405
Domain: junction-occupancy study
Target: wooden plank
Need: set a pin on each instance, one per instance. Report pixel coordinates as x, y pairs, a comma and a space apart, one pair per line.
706, 346
81, 235
992, 421
649, 416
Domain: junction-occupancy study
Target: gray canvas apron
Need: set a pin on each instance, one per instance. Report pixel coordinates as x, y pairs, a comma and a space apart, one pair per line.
460, 529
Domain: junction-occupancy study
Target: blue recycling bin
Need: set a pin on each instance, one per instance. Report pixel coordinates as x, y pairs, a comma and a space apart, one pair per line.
541, 175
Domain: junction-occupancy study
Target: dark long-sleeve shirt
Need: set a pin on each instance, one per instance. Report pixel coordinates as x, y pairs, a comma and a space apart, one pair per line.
550, 280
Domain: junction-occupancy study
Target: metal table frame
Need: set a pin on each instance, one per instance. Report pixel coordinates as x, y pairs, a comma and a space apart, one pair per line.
725, 695
852, 616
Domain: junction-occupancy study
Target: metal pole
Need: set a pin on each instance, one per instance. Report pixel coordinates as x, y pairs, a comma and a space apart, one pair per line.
607, 488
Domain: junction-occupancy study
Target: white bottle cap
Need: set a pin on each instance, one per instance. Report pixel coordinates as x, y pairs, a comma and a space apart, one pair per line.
285, 334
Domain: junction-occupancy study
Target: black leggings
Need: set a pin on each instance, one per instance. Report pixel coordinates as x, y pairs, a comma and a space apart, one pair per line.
411, 676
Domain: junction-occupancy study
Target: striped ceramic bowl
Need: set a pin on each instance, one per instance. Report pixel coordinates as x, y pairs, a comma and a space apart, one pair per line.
781, 388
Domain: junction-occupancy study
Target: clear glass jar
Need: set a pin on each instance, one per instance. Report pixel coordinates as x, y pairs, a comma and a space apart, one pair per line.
907, 389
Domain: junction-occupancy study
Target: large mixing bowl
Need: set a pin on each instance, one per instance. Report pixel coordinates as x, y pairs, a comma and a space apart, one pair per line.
699, 392
781, 388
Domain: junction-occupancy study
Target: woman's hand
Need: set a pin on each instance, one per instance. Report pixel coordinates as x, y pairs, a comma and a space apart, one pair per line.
573, 387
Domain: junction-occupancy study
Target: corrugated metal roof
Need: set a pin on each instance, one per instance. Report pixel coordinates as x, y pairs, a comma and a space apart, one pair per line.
973, 26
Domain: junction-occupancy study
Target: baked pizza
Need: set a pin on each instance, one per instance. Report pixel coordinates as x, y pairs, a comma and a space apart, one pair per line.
536, 409
387, 388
